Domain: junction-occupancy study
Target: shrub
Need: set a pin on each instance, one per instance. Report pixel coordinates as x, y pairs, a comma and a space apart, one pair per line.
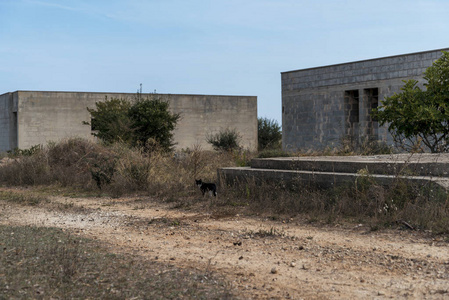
24, 152
26, 170
269, 134
119, 120
76, 162
225, 140
110, 120
152, 119
73, 162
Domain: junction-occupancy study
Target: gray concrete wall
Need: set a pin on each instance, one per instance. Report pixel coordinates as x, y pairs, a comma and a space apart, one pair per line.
202, 115
52, 116
8, 121
315, 114
4, 120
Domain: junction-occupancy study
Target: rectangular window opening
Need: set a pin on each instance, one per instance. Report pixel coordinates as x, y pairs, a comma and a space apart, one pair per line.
351, 108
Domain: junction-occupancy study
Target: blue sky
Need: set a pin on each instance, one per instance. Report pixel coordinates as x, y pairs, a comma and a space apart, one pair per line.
202, 47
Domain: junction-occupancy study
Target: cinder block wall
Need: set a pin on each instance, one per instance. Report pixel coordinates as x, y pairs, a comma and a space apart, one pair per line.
314, 115
52, 116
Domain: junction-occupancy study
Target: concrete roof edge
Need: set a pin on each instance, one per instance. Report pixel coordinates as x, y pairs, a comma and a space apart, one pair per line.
364, 60
119, 93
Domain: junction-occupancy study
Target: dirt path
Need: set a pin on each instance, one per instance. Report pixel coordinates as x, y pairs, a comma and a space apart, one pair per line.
262, 258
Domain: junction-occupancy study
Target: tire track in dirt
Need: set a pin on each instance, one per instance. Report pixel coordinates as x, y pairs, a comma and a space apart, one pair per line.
263, 259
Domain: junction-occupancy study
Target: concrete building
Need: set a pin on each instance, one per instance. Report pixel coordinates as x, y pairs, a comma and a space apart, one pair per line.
320, 106
29, 118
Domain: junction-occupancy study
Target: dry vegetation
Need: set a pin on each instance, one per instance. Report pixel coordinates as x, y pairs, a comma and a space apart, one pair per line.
117, 170
81, 167
47, 263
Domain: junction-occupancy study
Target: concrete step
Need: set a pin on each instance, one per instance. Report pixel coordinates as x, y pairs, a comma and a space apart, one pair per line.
238, 175
433, 165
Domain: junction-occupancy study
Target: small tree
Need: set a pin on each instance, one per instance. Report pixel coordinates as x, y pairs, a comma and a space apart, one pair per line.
269, 134
141, 122
417, 115
152, 120
110, 120
225, 140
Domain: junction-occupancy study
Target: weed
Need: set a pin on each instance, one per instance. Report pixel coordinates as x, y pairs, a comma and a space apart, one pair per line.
175, 223
272, 232
273, 153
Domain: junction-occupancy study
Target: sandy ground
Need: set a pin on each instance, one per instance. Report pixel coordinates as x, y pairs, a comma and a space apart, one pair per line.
261, 258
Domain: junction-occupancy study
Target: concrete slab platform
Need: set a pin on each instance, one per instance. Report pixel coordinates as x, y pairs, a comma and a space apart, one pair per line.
320, 179
430, 170
397, 164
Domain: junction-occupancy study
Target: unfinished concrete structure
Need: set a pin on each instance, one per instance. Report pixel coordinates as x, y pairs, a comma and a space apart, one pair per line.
29, 118
430, 171
320, 106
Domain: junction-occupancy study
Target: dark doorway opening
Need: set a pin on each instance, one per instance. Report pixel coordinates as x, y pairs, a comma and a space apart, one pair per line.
351, 112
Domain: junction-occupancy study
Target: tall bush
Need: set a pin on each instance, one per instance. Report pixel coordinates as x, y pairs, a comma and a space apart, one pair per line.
269, 134
110, 120
152, 120
141, 122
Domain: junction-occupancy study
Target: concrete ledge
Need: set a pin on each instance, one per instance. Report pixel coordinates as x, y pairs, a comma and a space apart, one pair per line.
399, 164
233, 176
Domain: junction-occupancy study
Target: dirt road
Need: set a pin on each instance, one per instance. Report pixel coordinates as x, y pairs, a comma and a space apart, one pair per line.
263, 259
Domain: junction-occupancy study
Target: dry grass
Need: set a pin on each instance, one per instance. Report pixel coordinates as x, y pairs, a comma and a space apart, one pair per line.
46, 263
362, 202
118, 170
23, 198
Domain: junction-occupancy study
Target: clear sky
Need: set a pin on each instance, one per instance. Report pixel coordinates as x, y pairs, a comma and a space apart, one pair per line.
221, 47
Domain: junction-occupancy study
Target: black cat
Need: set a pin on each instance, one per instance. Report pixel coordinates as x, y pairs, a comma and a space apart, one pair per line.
206, 187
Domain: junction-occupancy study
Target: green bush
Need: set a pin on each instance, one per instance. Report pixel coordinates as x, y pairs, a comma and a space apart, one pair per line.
225, 140
135, 123
269, 134
110, 120
153, 121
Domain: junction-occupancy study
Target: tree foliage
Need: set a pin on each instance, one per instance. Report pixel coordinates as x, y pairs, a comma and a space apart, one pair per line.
152, 121
269, 134
225, 140
417, 116
140, 122
110, 120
